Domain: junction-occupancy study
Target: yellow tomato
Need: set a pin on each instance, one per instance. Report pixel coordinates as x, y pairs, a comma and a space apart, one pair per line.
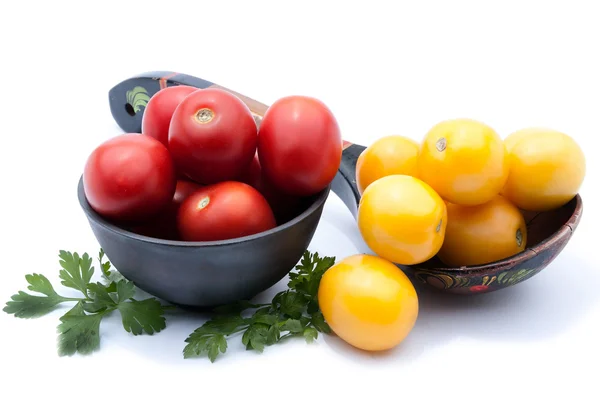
368, 302
547, 168
482, 234
464, 160
389, 155
402, 219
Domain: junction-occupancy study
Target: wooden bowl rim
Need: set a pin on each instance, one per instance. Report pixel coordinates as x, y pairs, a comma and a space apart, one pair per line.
567, 228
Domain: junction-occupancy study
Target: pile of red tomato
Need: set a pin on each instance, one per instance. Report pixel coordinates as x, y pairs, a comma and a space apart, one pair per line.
203, 169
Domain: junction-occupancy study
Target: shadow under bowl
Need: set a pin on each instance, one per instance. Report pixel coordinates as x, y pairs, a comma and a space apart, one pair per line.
206, 274
547, 235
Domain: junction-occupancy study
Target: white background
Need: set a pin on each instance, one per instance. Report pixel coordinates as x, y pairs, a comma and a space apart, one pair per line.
383, 68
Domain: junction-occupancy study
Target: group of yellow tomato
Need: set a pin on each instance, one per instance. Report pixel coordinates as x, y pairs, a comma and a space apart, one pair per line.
459, 194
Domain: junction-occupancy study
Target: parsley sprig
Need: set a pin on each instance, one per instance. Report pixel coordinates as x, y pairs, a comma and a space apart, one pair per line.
79, 328
293, 312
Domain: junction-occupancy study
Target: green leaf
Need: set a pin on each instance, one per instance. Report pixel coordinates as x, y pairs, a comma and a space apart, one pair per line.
293, 325
291, 303
216, 343
225, 324
39, 283
258, 337
294, 311
125, 290
101, 298
112, 287
312, 307
222, 344
319, 323
104, 266
246, 338
25, 305
77, 271
200, 344
108, 275
309, 272
310, 334
273, 334
142, 316
79, 332
267, 319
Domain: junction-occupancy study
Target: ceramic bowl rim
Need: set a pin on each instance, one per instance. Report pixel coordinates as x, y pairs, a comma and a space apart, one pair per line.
318, 201
519, 258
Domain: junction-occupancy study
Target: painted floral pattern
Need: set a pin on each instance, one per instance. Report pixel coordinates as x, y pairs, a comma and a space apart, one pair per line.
137, 97
472, 285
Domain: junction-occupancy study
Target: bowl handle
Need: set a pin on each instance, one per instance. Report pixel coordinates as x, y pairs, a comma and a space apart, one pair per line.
129, 98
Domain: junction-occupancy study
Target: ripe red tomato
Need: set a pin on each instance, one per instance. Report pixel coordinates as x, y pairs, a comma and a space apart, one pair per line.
252, 175
299, 145
284, 206
212, 136
225, 210
164, 224
159, 110
129, 177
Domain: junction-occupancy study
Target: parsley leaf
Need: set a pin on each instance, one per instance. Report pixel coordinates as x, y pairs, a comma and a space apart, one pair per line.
317, 320
310, 334
125, 290
78, 332
79, 328
108, 275
25, 305
293, 325
145, 315
293, 312
101, 297
77, 271
205, 341
290, 303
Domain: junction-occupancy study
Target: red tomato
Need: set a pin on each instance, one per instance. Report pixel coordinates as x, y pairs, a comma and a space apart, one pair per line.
129, 177
225, 210
299, 145
212, 136
164, 224
159, 110
252, 174
284, 206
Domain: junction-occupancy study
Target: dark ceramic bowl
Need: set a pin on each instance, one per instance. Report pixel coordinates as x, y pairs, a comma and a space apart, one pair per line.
214, 273
206, 274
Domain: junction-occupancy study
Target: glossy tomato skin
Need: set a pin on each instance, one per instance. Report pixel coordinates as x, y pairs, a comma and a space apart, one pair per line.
252, 175
368, 302
402, 219
129, 177
477, 235
212, 136
164, 224
159, 111
464, 160
547, 169
389, 155
299, 145
225, 210
284, 206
